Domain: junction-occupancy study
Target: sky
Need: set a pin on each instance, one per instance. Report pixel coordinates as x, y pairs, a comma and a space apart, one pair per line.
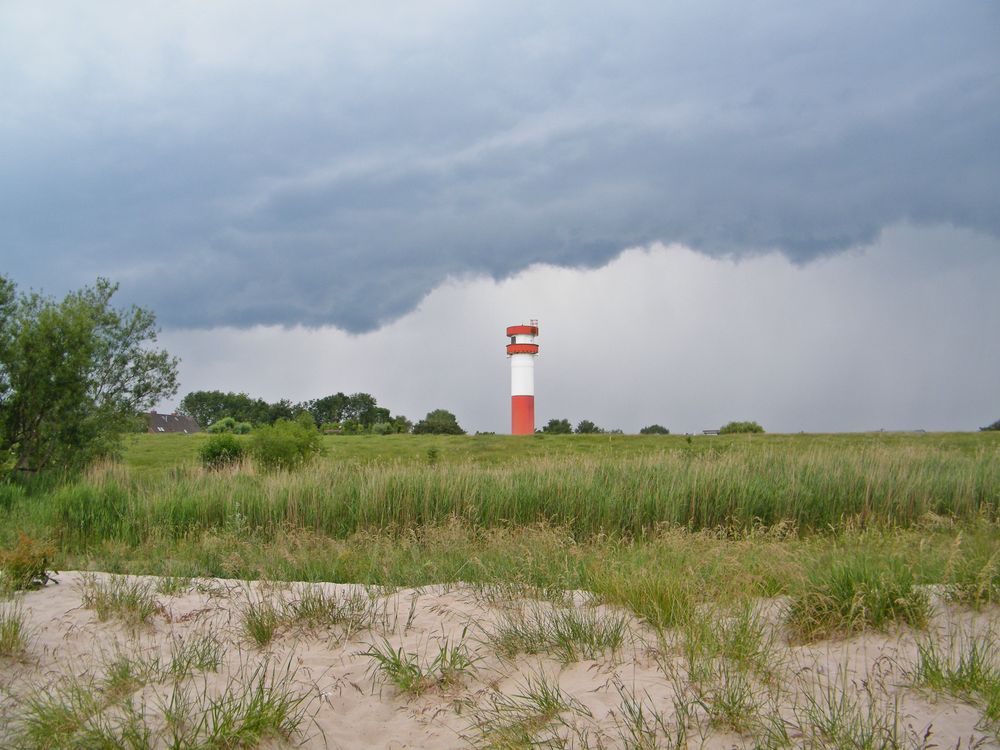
780, 211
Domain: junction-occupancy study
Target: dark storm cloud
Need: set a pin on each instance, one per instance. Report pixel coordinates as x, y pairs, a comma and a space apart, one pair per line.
320, 166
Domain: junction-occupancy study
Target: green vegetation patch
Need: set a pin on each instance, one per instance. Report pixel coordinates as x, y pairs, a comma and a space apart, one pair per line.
966, 666
27, 565
131, 601
13, 630
854, 593
448, 666
568, 633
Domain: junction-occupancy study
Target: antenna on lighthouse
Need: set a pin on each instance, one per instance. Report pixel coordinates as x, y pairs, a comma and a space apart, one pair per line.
522, 351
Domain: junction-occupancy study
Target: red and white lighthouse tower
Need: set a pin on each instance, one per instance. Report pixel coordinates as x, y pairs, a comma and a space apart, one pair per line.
522, 351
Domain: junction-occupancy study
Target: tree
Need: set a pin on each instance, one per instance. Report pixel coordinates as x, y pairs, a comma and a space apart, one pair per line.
401, 424
738, 427
208, 407
586, 427
282, 409
329, 409
74, 374
438, 422
654, 429
990, 427
364, 409
558, 427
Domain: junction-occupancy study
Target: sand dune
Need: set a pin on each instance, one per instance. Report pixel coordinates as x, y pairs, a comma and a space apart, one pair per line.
649, 689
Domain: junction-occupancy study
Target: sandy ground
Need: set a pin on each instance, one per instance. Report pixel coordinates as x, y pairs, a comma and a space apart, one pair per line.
350, 706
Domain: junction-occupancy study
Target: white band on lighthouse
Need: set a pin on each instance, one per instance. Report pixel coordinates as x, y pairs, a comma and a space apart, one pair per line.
522, 375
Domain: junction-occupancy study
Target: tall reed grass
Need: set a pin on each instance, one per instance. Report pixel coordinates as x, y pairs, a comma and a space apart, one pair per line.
588, 495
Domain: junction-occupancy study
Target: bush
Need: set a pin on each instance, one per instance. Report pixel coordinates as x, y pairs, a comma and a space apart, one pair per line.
740, 427
991, 427
25, 566
225, 424
558, 427
229, 425
438, 422
285, 444
221, 450
654, 429
382, 428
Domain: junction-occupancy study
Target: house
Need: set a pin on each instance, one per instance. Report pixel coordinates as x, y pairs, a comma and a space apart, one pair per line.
171, 423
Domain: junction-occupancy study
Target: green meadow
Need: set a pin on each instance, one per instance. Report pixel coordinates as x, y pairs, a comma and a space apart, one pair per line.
657, 523
164, 452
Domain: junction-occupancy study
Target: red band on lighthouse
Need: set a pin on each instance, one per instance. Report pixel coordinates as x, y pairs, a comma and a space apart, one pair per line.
522, 415
522, 351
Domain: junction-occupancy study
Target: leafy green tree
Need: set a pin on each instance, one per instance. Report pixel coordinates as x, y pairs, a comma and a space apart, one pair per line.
8, 306
328, 410
282, 409
989, 427
205, 407
208, 407
364, 409
558, 427
74, 374
438, 422
401, 424
740, 427
654, 429
586, 427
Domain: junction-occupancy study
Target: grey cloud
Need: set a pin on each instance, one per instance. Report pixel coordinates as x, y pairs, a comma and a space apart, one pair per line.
348, 166
897, 336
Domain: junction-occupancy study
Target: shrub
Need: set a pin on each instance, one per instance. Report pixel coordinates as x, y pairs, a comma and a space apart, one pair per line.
26, 566
285, 444
226, 424
382, 428
558, 427
737, 427
654, 429
991, 427
438, 422
221, 450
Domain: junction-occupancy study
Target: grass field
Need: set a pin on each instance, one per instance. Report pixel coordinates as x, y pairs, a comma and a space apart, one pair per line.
854, 534
164, 452
728, 516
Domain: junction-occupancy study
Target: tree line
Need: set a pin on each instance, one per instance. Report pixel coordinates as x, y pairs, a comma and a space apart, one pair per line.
587, 427
356, 413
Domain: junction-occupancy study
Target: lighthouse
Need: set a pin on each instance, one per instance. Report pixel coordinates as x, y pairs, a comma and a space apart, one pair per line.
522, 351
